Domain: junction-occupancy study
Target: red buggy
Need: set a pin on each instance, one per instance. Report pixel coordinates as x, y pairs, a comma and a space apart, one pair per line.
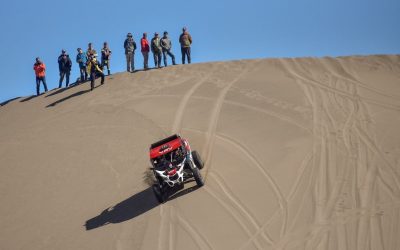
173, 163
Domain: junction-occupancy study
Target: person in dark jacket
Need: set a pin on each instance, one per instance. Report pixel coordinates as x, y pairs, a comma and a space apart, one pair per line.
166, 46
105, 57
93, 68
64, 66
40, 72
156, 49
185, 39
81, 59
130, 47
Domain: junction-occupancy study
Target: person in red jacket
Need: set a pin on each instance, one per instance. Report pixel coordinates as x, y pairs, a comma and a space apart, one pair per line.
145, 50
40, 71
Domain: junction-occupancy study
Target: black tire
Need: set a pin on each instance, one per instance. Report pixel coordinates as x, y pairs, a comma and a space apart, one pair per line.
161, 195
197, 160
197, 177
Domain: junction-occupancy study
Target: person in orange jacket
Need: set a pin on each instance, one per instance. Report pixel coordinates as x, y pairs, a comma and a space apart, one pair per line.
40, 71
144, 43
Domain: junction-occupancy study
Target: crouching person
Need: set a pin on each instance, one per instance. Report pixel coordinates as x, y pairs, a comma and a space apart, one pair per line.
94, 69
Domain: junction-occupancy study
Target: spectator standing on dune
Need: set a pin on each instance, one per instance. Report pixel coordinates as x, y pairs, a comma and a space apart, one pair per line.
64, 66
105, 57
81, 59
185, 39
93, 68
130, 47
166, 46
156, 49
40, 72
145, 48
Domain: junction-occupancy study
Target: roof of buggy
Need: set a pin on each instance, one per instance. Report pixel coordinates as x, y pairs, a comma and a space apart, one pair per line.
165, 146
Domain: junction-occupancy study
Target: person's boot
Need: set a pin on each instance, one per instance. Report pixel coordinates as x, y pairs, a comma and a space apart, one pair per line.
108, 71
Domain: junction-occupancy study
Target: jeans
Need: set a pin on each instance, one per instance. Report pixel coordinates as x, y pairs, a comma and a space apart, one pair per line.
157, 59
84, 74
38, 79
93, 78
168, 52
130, 62
106, 63
145, 59
185, 51
62, 74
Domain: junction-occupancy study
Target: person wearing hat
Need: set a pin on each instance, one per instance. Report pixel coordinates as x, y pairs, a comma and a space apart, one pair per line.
81, 59
156, 49
64, 66
40, 71
145, 48
185, 39
130, 47
166, 46
105, 57
93, 69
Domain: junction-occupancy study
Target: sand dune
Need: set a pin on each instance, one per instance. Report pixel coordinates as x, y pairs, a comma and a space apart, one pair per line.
300, 154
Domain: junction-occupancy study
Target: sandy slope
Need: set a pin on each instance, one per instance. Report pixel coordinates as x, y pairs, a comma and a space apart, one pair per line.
300, 154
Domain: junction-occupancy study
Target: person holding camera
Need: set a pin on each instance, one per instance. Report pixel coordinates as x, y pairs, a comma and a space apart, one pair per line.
105, 57
64, 66
94, 69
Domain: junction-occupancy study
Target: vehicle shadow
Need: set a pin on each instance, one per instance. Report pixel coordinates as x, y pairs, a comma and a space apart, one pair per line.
132, 207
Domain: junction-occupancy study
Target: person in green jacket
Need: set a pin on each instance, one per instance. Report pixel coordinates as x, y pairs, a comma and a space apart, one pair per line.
156, 49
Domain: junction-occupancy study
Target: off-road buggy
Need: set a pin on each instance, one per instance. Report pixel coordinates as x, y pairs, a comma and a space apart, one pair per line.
173, 163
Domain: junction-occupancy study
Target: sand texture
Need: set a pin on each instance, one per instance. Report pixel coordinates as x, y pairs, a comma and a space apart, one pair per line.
299, 154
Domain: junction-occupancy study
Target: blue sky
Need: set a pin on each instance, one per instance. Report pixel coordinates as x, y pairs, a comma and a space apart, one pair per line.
221, 30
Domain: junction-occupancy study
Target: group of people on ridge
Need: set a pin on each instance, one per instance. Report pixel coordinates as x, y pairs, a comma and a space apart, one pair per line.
91, 68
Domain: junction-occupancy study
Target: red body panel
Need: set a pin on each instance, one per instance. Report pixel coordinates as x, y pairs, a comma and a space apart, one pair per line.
165, 148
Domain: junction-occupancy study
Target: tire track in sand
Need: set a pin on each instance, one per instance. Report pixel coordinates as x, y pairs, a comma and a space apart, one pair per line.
241, 207
166, 231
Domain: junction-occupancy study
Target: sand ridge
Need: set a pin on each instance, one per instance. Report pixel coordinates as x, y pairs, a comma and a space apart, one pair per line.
299, 154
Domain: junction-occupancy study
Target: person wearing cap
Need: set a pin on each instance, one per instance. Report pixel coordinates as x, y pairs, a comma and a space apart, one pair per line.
90, 51
156, 49
185, 39
130, 47
166, 46
81, 59
105, 57
64, 66
145, 48
93, 69
40, 71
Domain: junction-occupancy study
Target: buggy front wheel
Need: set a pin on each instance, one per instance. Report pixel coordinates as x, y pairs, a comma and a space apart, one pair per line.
197, 160
197, 177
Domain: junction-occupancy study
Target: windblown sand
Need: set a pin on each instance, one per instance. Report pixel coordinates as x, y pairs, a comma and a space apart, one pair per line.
299, 154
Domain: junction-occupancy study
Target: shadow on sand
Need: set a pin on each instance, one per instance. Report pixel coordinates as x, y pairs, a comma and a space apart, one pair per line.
8, 101
132, 207
67, 97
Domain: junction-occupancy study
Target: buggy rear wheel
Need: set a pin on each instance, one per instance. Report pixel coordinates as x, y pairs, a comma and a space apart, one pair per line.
197, 160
